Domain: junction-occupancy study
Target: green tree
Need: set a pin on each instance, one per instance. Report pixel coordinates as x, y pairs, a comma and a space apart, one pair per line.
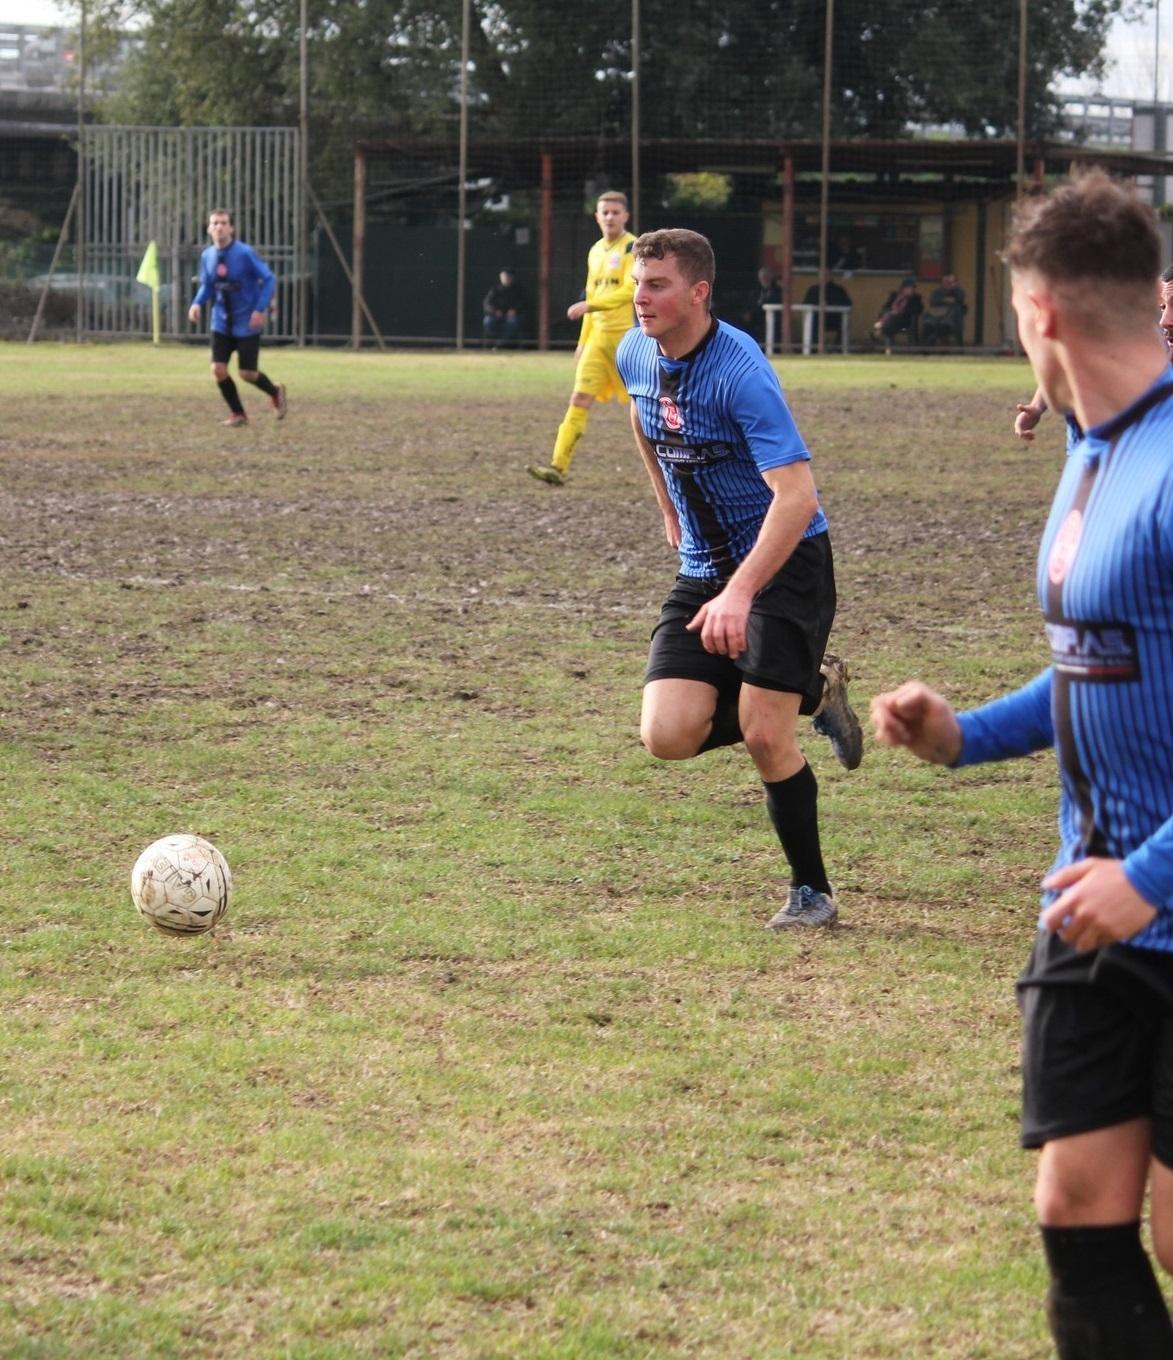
709, 68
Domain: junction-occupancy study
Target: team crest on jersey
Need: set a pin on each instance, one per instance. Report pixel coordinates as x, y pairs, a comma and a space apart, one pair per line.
222, 270
1064, 548
670, 414
614, 260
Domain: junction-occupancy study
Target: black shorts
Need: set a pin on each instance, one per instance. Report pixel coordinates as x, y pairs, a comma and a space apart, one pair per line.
246, 347
1097, 1041
789, 624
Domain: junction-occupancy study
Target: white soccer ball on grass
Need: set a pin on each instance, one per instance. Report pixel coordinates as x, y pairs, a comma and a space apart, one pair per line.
181, 884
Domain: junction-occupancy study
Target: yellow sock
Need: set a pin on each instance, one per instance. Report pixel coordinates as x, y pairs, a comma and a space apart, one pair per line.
569, 433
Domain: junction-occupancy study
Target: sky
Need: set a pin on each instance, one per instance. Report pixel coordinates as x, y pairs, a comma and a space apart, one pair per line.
1132, 47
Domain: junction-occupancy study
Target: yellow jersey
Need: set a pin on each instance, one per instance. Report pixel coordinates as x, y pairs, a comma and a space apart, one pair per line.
610, 289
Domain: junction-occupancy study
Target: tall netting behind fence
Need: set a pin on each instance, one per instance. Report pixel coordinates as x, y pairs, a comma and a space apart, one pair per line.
159, 184
894, 153
872, 141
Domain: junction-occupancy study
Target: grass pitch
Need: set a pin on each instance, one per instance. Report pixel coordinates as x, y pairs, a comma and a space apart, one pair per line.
492, 1057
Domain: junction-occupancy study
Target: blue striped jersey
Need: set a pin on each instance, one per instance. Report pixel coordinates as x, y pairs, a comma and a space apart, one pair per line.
1105, 583
717, 420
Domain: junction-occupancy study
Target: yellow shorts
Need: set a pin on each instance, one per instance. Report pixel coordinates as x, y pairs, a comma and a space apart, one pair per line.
596, 374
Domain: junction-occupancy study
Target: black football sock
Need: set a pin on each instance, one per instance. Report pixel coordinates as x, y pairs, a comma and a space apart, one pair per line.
264, 384
231, 396
726, 729
793, 805
1104, 1302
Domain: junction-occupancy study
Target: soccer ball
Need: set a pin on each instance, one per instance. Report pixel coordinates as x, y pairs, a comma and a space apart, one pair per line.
181, 884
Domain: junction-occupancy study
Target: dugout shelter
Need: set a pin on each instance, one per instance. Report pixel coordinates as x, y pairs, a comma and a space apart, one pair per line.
919, 206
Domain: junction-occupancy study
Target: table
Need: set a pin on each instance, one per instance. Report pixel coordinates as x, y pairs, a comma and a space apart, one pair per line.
809, 310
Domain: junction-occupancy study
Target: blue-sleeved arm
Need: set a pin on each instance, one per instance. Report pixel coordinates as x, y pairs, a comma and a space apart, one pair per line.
759, 408
1017, 724
204, 291
1150, 867
266, 278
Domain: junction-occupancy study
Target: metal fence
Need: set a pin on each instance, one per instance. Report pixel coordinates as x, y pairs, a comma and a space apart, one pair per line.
158, 184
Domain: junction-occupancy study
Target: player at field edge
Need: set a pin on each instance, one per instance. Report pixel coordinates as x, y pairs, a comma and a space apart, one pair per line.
605, 312
240, 285
1097, 993
1029, 413
739, 649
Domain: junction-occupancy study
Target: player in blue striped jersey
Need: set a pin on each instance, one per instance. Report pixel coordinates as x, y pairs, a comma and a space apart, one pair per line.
1097, 995
739, 649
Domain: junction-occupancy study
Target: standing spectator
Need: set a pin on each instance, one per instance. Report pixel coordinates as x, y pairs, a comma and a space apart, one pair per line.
605, 313
1097, 993
751, 316
945, 318
845, 259
503, 307
241, 287
769, 295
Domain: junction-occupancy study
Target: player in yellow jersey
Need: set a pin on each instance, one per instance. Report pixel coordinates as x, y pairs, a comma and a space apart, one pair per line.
606, 312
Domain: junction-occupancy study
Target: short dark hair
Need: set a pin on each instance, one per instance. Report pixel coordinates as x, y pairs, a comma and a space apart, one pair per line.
1167, 274
1089, 229
221, 212
694, 254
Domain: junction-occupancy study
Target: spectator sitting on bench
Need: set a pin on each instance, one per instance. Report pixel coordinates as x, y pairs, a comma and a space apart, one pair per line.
502, 308
945, 319
900, 313
833, 296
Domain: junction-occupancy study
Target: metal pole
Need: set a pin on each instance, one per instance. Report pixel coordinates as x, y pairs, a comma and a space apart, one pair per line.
303, 125
80, 254
787, 250
825, 191
462, 192
1159, 129
62, 236
352, 278
635, 114
1020, 170
545, 231
358, 247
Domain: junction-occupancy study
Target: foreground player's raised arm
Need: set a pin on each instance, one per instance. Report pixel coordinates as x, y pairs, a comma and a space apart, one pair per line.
918, 718
1017, 724
1029, 413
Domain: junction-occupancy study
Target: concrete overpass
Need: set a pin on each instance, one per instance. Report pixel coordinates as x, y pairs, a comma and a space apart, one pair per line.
38, 159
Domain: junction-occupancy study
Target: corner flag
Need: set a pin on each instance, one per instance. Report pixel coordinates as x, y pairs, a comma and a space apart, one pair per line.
148, 273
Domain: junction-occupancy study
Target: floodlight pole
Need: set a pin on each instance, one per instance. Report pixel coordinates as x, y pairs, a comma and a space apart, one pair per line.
635, 115
462, 191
